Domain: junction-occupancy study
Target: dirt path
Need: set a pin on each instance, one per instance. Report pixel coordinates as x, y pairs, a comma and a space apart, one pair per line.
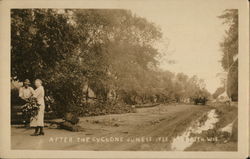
148, 129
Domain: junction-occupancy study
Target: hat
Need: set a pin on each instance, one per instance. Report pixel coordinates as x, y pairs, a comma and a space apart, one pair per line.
27, 81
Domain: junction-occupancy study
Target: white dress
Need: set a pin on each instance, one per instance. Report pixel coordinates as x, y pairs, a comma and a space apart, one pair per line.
39, 119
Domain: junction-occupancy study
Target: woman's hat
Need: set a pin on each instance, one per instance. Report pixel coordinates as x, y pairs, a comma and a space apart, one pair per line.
27, 81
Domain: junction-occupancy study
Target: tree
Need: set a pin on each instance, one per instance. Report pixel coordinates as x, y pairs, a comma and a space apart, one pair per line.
107, 51
68, 49
124, 46
40, 39
43, 45
229, 47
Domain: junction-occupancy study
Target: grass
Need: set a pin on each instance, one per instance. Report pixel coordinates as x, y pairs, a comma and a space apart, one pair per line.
226, 114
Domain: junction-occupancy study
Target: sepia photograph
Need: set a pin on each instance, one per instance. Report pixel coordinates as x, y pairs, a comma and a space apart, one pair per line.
111, 79
137, 78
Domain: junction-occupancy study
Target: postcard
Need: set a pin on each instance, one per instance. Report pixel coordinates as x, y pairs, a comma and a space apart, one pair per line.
124, 79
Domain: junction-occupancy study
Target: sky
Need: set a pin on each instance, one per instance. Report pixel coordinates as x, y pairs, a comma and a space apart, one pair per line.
193, 30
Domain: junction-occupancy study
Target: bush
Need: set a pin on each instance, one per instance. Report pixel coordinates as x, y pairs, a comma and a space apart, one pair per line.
226, 114
94, 109
15, 97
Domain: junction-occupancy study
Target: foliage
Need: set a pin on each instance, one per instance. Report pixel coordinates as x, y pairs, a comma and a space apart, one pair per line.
42, 40
229, 47
99, 108
30, 109
226, 115
15, 97
122, 47
110, 51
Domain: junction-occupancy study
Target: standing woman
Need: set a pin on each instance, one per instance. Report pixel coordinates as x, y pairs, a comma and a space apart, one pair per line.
38, 120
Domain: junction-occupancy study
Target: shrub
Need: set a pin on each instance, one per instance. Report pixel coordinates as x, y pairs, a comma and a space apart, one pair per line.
15, 97
94, 109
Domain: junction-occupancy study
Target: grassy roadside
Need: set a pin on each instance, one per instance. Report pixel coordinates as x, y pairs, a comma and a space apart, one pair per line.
226, 115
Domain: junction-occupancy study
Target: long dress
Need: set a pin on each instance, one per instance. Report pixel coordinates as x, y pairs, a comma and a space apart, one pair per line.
38, 120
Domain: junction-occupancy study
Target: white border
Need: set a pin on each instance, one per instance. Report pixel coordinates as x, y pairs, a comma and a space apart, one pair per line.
5, 137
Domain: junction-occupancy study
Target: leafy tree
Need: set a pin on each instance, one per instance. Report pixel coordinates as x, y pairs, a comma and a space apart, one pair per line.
125, 45
109, 51
43, 45
40, 39
69, 48
229, 47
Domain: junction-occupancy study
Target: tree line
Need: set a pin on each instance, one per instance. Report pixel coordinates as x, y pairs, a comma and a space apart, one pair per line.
110, 51
229, 49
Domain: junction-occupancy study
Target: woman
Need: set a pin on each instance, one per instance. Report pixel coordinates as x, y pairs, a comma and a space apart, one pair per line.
25, 92
38, 120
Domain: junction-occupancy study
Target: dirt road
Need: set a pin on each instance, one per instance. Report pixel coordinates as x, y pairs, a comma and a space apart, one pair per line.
148, 129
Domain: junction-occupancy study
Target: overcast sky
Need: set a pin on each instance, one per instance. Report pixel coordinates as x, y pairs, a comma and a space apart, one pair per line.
194, 33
